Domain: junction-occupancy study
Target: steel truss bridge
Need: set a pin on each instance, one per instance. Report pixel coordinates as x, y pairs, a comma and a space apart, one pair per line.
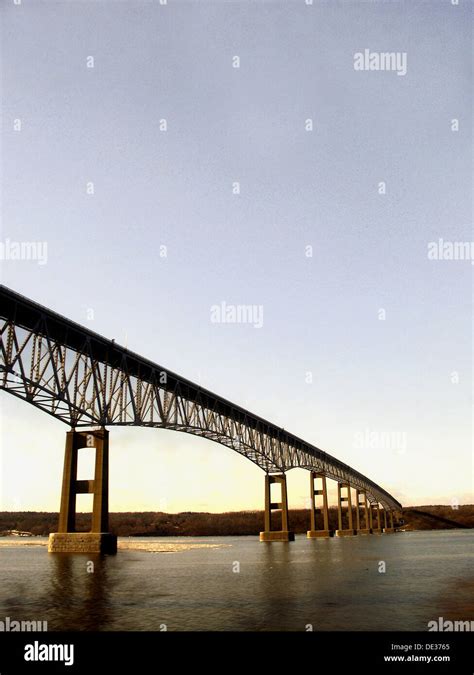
84, 380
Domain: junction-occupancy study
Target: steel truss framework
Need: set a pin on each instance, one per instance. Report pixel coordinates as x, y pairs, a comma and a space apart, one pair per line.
86, 380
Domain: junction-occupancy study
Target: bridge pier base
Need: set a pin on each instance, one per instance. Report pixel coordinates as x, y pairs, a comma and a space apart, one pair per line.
98, 540
276, 535
82, 542
314, 533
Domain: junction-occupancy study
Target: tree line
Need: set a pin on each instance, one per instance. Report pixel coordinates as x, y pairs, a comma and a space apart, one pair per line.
233, 523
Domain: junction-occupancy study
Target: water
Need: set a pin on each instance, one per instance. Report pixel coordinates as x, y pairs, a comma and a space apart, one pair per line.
194, 583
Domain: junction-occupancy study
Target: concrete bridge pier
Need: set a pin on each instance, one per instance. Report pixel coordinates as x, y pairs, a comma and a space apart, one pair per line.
388, 529
314, 533
276, 535
362, 504
378, 529
98, 540
349, 531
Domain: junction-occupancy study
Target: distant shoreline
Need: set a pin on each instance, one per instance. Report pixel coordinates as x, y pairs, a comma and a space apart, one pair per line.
233, 523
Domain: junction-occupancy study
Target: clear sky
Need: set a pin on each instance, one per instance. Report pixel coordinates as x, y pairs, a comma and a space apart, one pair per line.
366, 346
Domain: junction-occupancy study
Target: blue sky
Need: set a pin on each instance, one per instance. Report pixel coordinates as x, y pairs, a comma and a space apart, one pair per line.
409, 374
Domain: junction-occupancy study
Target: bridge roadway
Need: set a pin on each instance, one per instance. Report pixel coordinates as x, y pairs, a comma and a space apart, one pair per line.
90, 383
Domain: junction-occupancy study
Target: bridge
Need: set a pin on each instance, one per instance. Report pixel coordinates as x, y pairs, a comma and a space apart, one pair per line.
90, 383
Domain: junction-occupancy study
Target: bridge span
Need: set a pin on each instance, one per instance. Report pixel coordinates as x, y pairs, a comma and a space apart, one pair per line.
90, 383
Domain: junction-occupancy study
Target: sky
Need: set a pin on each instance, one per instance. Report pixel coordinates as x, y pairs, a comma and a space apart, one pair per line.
167, 158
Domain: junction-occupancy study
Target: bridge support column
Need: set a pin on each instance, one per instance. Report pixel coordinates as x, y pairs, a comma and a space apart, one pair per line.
378, 529
98, 540
386, 528
364, 505
276, 535
314, 532
349, 531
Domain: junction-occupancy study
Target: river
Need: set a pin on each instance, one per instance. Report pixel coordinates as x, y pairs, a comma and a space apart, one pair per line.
388, 582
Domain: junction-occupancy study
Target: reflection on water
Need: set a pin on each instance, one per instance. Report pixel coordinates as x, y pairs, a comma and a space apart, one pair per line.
159, 546
78, 592
238, 583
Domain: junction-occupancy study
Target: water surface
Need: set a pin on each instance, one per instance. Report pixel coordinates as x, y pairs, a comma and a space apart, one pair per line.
238, 583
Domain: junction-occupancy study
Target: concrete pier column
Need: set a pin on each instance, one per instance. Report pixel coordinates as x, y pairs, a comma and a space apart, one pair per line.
314, 532
349, 507
98, 540
100, 507
276, 535
358, 505
349, 531
367, 521
388, 529
67, 511
362, 504
377, 529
